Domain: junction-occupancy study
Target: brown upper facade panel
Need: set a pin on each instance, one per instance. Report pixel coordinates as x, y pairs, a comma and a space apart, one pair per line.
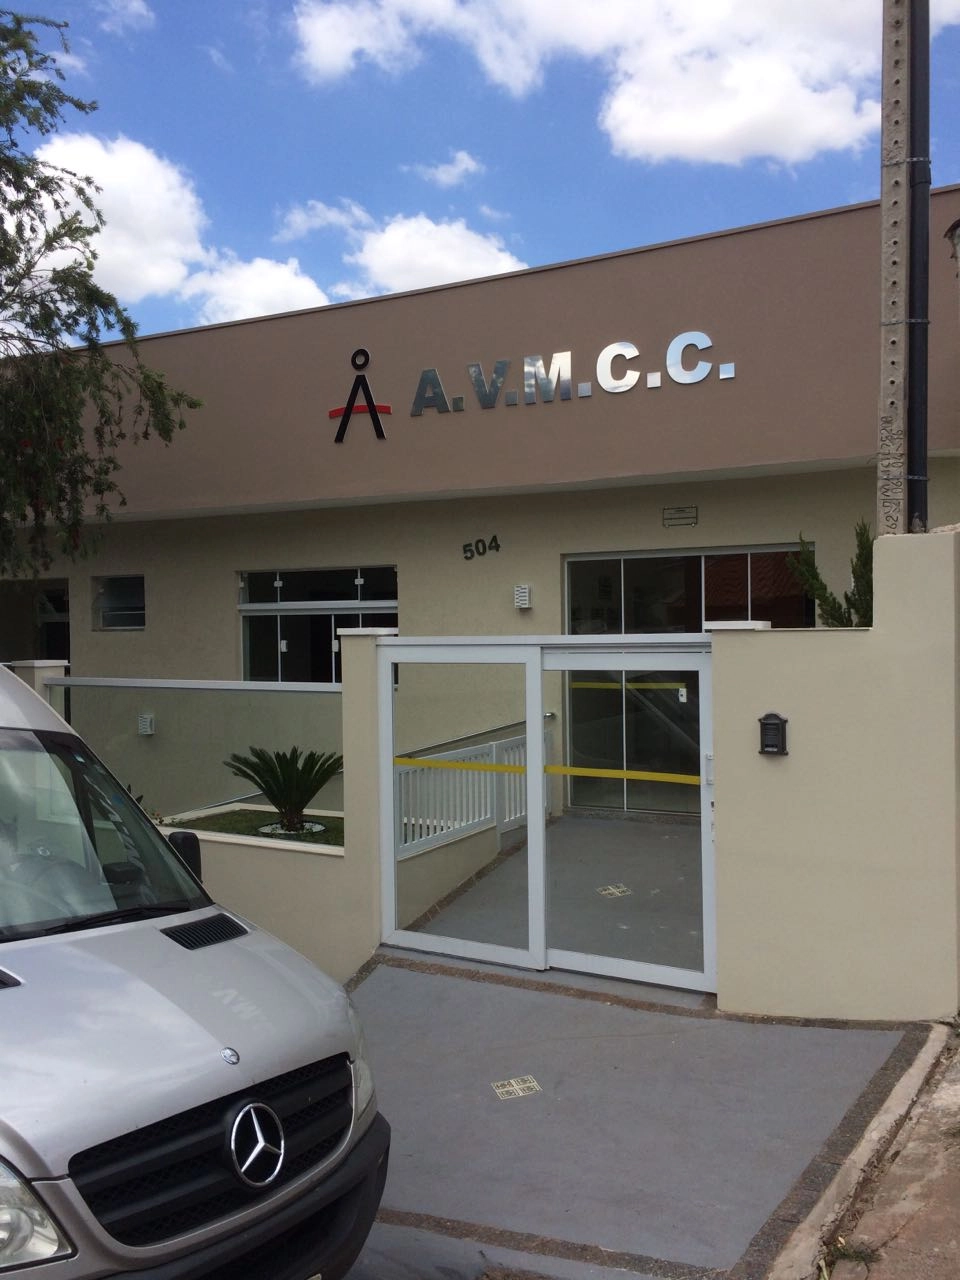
748, 350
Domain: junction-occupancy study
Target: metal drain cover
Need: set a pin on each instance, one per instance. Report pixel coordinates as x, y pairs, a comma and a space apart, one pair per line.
517, 1087
614, 891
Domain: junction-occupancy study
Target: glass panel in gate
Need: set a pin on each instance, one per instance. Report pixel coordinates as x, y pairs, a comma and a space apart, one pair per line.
460, 802
662, 741
624, 850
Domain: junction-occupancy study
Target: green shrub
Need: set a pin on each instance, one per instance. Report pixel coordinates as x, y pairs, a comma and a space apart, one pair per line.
856, 608
287, 779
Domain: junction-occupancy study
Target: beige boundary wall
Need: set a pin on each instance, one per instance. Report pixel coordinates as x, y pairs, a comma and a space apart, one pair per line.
295, 891
180, 765
837, 865
838, 893
324, 902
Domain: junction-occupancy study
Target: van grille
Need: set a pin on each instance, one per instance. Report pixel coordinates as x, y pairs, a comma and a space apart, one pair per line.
176, 1175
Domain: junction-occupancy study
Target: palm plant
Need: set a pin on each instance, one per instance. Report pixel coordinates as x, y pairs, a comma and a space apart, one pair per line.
288, 779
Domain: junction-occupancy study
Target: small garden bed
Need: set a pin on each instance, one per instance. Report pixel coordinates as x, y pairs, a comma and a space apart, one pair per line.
251, 822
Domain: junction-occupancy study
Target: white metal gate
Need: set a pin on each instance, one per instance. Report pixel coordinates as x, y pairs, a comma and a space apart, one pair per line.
477, 735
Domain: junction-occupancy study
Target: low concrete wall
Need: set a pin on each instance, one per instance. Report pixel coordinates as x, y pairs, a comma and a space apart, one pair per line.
323, 901
837, 884
424, 878
298, 892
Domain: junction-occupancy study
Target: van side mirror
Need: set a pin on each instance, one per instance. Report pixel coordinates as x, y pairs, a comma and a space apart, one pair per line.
186, 845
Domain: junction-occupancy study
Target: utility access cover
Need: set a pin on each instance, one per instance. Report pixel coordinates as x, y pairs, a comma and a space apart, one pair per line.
614, 891
517, 1087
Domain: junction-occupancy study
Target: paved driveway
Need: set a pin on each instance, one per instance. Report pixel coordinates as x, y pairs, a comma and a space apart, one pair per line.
626, 1138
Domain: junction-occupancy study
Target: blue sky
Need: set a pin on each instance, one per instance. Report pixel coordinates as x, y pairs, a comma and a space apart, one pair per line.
264, 155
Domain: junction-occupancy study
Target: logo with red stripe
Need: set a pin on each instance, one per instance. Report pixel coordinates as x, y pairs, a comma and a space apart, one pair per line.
360, 389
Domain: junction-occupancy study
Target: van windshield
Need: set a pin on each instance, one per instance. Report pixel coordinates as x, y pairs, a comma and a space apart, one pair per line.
75, 850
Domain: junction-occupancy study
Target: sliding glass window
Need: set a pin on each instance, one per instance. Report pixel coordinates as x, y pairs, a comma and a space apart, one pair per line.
291, 618
633, 737
647, 594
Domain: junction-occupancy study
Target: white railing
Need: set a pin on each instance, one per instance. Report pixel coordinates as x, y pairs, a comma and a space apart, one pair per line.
454, 793
511, 788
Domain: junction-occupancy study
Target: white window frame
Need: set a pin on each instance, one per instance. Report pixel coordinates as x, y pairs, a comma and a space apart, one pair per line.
310, 608
665, 553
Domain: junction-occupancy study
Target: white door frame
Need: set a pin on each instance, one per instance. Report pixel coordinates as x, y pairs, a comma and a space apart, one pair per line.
693, 655
538, 654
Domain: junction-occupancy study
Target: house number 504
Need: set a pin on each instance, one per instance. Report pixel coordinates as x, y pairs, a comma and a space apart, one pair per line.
480, 547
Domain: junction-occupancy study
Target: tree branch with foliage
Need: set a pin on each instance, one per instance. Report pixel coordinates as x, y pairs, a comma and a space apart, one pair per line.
72, 382
856, 608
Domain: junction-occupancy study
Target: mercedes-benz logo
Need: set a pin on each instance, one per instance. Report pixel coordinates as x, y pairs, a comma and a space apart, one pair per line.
230, 1056
257, 1145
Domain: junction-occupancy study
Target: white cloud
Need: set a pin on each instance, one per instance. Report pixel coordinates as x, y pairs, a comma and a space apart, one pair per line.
218, 58
331, 36
650, 119
125, 15
461, 166
401, 252
235, 290
718, 81
152, 244
67, 60
415, 252
154, 218
301, 219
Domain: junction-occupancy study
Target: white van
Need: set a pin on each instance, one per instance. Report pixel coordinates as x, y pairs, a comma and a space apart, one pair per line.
182, 1097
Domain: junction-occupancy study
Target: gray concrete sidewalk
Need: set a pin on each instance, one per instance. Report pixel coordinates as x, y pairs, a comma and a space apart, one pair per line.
633, 1139
905, 1225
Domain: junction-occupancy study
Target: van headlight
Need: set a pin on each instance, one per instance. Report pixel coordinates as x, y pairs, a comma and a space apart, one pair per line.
27, 1231
362, 1072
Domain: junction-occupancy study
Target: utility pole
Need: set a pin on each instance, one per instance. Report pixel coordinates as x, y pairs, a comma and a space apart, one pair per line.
905, 270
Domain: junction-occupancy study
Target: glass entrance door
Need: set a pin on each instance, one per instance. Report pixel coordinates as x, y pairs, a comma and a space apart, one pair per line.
629, 852
637, 735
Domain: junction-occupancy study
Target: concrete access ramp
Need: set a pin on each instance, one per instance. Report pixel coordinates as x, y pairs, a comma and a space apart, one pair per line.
577, 1128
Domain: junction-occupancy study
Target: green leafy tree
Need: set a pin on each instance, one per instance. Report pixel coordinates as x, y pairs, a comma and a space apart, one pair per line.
856, 607
287, 779
72, 382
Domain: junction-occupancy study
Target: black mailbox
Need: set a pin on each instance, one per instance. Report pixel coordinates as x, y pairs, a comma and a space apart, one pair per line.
773, 734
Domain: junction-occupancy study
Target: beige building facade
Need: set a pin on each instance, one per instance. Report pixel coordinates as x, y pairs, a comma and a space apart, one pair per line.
711, 394
626, 446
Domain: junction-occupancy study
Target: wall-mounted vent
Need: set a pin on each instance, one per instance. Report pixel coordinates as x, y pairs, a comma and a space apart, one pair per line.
522, 597
205, 932
146, 724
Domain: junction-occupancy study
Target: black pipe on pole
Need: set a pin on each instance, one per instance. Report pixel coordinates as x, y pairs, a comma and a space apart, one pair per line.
918, 312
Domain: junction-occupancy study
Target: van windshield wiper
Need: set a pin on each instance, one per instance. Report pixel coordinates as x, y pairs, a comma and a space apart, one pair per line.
121, 915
